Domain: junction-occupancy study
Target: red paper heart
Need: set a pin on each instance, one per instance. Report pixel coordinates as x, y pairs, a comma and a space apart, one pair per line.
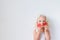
39, 25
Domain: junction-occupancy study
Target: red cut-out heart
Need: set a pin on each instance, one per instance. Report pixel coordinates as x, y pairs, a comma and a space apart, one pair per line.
39, 25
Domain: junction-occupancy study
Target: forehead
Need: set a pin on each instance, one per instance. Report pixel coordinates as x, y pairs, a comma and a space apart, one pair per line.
42, 18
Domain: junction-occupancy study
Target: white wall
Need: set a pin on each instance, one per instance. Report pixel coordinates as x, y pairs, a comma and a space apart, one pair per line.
17, 18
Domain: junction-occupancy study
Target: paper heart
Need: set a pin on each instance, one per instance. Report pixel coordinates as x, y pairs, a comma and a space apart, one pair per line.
39, 25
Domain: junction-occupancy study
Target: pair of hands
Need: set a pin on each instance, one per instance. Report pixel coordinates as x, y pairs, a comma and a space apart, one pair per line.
37, 34
42, 29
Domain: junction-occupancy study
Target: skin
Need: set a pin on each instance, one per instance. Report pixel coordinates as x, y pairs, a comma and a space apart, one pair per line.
37, 35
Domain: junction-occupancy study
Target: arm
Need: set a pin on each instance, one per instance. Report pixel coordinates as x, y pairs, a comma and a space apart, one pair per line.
47, 33
36, 33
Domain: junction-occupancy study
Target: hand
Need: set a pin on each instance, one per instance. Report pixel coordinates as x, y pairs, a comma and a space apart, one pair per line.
36, 35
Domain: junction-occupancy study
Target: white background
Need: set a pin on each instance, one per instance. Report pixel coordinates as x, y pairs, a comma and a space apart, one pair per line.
17, 18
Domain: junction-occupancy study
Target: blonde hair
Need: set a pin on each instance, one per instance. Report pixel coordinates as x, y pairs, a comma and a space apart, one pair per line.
41, 16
